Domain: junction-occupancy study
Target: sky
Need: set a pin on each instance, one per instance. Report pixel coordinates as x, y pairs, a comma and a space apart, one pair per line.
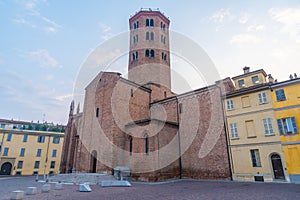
44, 44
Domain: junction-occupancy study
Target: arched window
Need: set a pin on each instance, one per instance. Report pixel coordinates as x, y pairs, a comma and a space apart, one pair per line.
134, 41
164, 40
161, 25
151, 22
136, 55
133, 57
130, 145
152, 36
147, 35
152, 53
147, 145
131, 92
134, 26
164, 27
165, 57
97, 112
137, 38
137, 24
147, 22
162, 55
147, 53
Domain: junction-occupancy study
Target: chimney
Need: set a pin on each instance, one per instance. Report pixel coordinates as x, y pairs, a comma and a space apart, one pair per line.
246, 69
271, 79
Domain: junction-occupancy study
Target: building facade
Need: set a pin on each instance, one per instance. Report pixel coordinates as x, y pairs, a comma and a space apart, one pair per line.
140, 123
286, 100
28, 148
255, 145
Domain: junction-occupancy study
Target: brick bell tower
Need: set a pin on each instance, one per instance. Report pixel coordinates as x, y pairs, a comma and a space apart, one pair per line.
149, 53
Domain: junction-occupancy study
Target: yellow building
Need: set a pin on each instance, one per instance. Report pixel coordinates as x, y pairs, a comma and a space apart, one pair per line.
29, 148
254, 141
286, 100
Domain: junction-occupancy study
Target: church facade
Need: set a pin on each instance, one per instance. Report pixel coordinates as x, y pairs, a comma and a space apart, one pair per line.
140, 123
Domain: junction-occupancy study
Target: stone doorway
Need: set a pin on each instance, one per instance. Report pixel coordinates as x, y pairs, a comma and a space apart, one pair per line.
6, 168
277, 167
94, 162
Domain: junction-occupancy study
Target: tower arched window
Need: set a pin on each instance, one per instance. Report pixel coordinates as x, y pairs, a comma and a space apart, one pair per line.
151, 22
165, 57
147, 53
147, 145
133, 57
147, 36
136, 55
147, 22
164, 27
130, 145
152, 36
137, 24
134, 25
152, 53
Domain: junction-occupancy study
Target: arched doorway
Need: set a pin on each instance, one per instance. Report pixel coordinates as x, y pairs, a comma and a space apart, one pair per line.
94, 162
6, 168
277, 167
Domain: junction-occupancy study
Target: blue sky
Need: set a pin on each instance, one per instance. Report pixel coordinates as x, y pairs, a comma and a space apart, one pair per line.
43, 43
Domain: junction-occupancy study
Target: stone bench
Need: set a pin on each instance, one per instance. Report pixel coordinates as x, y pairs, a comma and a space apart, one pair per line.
17, 194
31, 191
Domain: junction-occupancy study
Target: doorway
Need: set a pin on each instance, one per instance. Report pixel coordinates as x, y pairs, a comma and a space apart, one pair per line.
6, 168
277, 167
94, 162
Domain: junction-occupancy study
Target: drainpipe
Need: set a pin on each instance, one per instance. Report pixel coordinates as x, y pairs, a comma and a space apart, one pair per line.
179, 144
231, 167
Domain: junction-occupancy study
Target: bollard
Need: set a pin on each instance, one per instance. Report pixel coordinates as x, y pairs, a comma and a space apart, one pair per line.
17, 194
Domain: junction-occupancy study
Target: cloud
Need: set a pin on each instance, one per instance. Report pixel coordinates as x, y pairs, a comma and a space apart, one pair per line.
289, 18
221, 15
43, 58
106, 31
255, 28
244, 38
244, 18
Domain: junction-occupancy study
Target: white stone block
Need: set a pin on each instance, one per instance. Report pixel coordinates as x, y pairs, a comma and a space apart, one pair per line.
84, 188
58, 186
17, 194
31, 190
46, 188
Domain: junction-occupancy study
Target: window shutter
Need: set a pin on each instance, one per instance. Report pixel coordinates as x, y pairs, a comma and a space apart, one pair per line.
280, 126
294, 124
260, 98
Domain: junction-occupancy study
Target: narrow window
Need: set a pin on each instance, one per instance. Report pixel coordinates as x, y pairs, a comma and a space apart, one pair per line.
147, 145
152, 36
151, 22
41, 139
230, 104
268, 126
9, 136
22, 152
134, 41
165, 57
136, 55
147, 22
97, 112
262, 98
241, 83
134, 26
37, 164
137, 38
25, 138
56, 140
137, 24
133, 57
130, 145
152, 53
165, 94
5, 153
38, 153
131, 92
280, 96
162, 39
147, 53
180, 108
255, 158
255, 80
164, 27
161, 25
52, 164
147, 36
54, 152
20, 165
162, 55
234, 131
